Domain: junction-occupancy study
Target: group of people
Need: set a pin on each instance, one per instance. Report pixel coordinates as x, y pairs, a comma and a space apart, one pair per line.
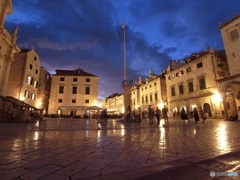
196, 114
153, 115
157, 114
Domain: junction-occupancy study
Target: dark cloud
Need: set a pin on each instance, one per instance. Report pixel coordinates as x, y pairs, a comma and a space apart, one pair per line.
68, 34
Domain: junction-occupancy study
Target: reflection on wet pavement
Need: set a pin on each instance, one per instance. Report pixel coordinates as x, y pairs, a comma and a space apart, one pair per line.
84, 148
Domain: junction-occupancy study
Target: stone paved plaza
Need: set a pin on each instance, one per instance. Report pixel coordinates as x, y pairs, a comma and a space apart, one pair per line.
84, 149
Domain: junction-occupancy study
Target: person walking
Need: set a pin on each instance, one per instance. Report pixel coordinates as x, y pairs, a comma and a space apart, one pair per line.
201, 112
195, 115
183, 115
150, 114
128, 114
165, 114
138, 113
158, 115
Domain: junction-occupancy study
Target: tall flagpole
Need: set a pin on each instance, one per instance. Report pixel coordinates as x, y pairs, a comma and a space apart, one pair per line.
124, 51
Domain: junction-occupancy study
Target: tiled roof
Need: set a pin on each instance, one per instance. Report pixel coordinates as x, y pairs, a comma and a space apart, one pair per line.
76, 72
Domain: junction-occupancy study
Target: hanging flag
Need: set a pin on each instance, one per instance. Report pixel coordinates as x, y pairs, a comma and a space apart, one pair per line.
122, 28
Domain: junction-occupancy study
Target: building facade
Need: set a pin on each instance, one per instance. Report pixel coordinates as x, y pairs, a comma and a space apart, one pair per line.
24, 77
44, 86
230, 86
193, 84
8, 45
72, 91
151, 92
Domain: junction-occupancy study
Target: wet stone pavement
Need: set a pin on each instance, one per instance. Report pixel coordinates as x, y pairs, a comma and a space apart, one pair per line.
84, 149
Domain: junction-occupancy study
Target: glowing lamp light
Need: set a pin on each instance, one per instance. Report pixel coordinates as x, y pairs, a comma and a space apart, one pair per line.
217, 97
21, 98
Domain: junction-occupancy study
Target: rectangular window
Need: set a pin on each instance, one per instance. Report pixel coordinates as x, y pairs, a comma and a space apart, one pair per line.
199, 65
150, 98
30, 66
75, 79
142, 99
60, 100
146, 99
33, 96
35, 84
86, 101
74, 90
234, 34
189, 69
36, 71
181, 89
61, 89
29, 79
156, 96
73, 100
172, 91
87, 79
87, 90
190, 87
62, 79
202, 83
27, 94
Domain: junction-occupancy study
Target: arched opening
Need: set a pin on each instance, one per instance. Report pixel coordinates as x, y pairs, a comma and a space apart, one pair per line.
207, 109
232, 99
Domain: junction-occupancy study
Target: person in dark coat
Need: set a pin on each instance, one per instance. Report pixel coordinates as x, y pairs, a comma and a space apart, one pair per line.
184, 115
195, 115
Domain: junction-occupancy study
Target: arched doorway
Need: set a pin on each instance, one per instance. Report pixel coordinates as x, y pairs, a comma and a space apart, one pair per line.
207, 109
232, 99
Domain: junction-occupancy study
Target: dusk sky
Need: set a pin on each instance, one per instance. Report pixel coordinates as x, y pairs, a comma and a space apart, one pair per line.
71, 34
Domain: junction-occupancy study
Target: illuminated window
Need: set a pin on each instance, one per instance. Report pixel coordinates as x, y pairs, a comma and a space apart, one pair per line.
33, 96
29, 79
35, 83
27, 94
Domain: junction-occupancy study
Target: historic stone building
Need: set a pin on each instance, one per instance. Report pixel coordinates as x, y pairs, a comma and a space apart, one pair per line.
24, 77
193, 84
150, 92
114, 103
72, 91
8, 45
230, 86
44, 86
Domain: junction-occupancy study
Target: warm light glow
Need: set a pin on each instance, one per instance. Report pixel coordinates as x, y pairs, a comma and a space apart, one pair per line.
123, 109
222, 136
39, 104
21, 98
161, 105
217, 97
